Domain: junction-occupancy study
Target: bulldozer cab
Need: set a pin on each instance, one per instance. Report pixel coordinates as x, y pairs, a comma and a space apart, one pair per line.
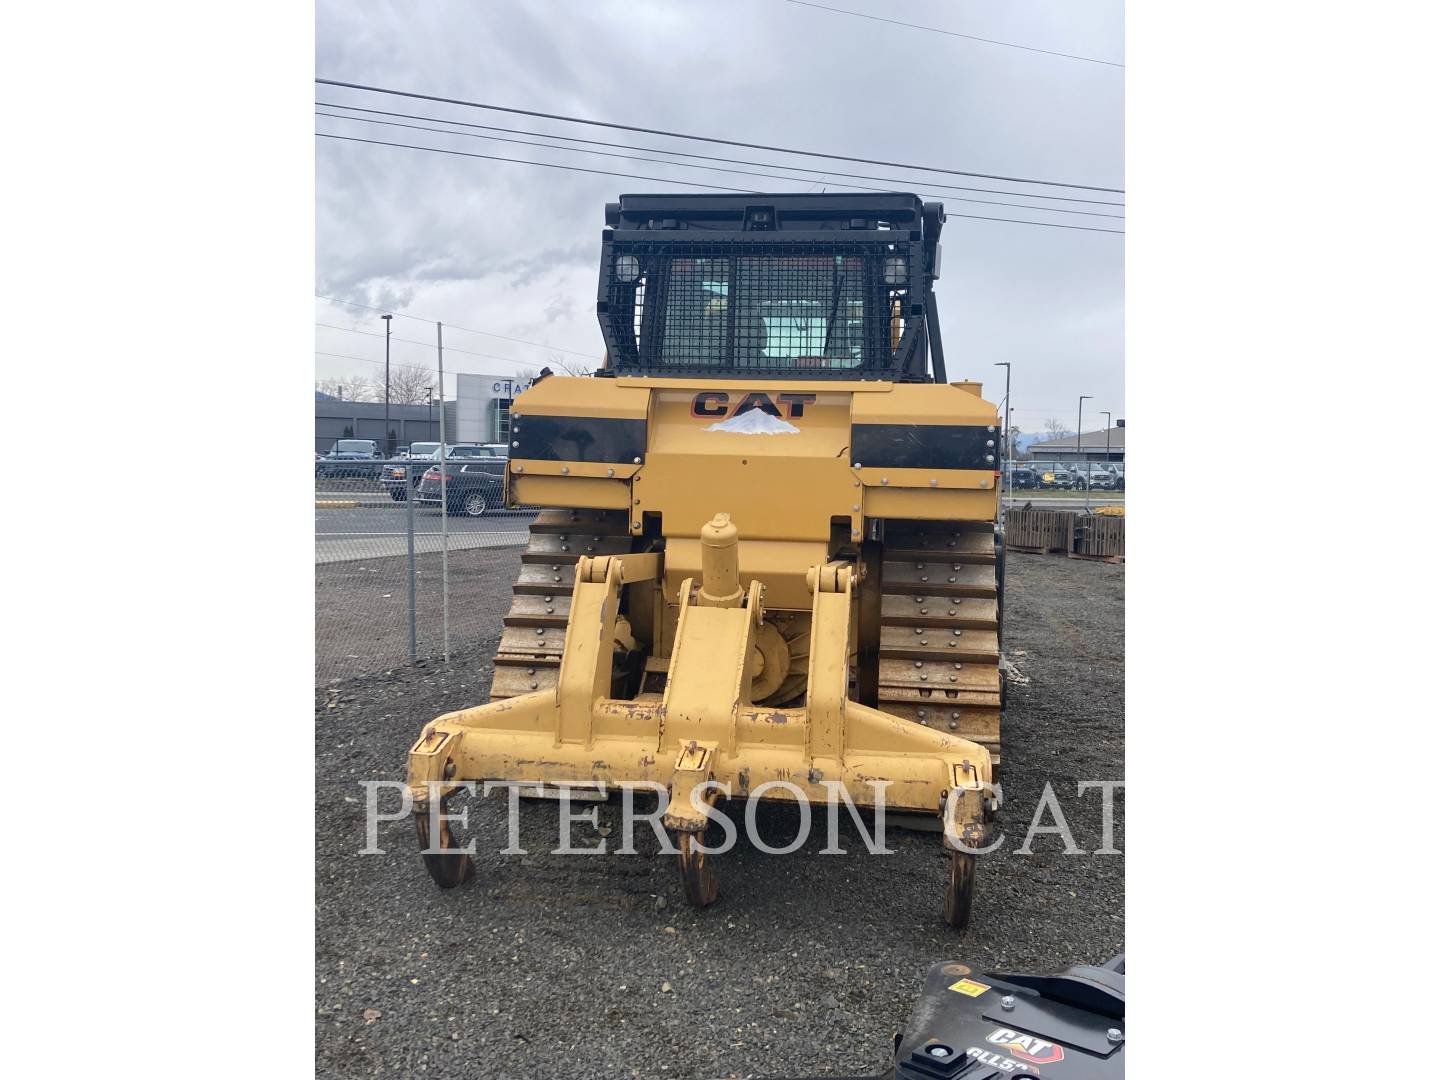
774, 286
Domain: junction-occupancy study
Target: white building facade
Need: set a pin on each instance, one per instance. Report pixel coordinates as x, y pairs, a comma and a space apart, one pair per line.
482, 408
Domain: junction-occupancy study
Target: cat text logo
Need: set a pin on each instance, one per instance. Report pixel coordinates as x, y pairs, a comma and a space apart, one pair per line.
755, 413
1026, 1047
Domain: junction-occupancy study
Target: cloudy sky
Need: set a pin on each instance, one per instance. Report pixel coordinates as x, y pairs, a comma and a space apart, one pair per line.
512, 249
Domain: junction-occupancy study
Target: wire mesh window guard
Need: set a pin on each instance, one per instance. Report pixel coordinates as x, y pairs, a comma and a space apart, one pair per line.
784, 307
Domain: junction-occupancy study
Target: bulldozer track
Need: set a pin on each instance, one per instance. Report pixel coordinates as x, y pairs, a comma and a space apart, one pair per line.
939, 647
939, 655
528, 657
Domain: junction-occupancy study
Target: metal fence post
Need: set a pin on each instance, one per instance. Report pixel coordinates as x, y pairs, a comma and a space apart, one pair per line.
410, 546
444, 507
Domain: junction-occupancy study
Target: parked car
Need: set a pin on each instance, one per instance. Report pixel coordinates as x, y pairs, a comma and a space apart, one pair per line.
473, 450
474, 480
1107, 478
392, 476
350, 457
1023, 477
1054, 474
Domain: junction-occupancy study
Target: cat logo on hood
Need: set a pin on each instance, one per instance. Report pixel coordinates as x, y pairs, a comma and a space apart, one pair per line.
755, 413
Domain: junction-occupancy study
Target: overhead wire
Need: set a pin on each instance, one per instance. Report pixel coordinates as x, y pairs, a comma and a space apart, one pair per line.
955, 33
707, 138
456, 326
823, 173
707, 168
425, 344
664, 180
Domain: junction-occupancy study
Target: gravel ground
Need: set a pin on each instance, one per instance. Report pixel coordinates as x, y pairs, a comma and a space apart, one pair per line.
362, 608
808, 965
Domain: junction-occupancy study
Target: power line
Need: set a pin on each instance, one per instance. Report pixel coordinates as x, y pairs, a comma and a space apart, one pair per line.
454, 326
426, 344
687, 165
662, 180
954, 33
367, 360
706, 138
545, 164
824, 174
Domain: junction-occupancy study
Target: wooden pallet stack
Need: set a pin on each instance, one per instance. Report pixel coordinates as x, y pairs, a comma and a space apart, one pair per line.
1039, 531
1099, 537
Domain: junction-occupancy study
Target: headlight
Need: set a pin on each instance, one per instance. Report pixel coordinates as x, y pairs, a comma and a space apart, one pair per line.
895, 270
627, 268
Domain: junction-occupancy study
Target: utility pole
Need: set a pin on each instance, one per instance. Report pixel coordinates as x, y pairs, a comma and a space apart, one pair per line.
444, 508
1106, 414
1079, 425
389, 448
1005, 457
430, 410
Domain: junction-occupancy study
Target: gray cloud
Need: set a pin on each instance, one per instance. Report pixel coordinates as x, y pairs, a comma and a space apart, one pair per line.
513, 249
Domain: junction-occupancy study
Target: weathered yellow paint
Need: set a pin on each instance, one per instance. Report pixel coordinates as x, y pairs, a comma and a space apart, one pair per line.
924, 403
704, 728
534, 467
781, 492
563, 396
525, 489
928, 505
945, 479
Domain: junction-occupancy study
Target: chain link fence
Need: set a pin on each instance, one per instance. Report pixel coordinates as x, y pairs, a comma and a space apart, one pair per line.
397, 580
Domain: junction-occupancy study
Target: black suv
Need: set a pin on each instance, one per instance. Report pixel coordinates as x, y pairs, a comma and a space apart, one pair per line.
1023, 477
474, 480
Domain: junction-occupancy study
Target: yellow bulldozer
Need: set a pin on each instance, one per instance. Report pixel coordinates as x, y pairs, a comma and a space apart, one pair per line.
769, 566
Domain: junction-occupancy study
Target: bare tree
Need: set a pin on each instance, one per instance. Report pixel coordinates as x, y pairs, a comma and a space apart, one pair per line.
562, 365
1056, 429
408, 383
345, 387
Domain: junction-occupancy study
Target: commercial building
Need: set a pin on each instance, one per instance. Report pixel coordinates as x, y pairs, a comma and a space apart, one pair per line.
1091, 446
366, 420
480, 413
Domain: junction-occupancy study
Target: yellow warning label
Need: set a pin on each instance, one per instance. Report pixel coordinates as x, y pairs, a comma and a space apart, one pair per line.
969, 987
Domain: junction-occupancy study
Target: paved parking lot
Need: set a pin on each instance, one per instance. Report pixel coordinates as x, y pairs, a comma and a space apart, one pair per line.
590, 966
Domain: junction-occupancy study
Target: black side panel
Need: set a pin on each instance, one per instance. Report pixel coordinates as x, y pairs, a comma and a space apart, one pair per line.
578, 438
923, 446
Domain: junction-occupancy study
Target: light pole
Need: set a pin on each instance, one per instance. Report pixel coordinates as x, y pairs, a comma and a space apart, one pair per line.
1106, 414
1079, 424
1005, 456
389, 449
